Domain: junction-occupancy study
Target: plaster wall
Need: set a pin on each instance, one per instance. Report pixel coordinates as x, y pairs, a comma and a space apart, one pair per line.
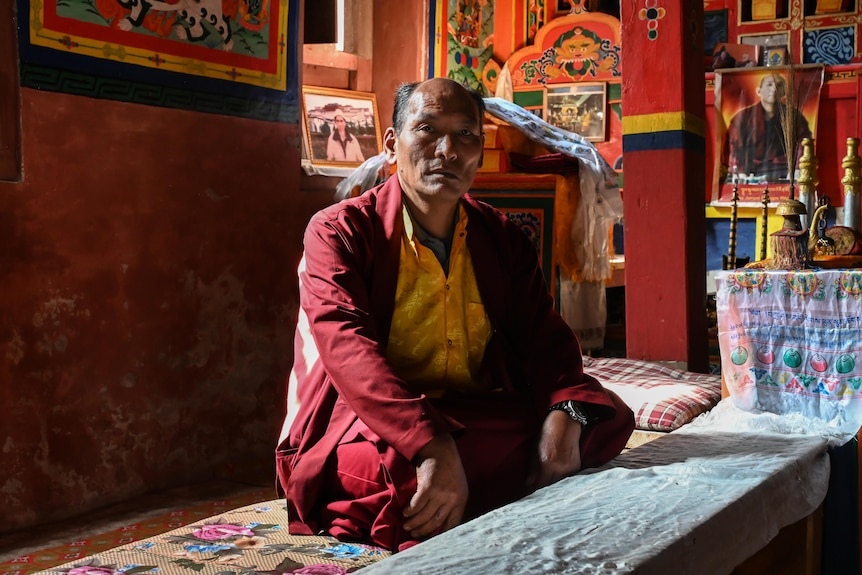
400, 50
148, 301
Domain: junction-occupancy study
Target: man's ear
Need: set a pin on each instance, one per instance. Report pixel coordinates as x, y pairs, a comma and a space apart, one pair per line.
389, 141
482, 153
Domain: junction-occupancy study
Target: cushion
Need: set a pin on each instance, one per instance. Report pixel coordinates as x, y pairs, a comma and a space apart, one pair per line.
661, 397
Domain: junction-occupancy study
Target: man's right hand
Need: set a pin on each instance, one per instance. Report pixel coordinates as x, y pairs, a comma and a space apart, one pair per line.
441, 489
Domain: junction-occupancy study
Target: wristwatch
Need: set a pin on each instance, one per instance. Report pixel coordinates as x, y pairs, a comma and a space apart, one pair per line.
575, 410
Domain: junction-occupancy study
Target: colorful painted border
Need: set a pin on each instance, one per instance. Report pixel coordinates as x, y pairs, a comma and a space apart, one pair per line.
664, 131
213, 90
211, 59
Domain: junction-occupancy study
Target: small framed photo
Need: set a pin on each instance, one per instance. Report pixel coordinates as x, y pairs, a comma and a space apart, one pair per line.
728, 55
578, 108
775, 56
340, 127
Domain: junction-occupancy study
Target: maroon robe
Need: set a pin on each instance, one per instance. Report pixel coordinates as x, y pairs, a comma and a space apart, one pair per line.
755, 145
349, 396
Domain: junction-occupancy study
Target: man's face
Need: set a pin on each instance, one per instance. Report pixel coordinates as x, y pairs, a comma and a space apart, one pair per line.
440, 145
771, 90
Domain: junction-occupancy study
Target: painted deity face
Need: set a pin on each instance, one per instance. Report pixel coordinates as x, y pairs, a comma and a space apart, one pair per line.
440, 145
578, 48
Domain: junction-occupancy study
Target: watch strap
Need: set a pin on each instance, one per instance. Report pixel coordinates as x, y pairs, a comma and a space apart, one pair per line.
574, 410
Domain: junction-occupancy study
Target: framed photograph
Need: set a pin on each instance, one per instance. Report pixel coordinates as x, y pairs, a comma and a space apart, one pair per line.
775, 56
750, 133
340, 127
579, 108
728, 55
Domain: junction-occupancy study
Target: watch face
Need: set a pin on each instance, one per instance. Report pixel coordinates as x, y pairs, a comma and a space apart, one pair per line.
577, 413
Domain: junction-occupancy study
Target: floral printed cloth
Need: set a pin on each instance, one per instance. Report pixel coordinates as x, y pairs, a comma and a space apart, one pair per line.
791, 342
250, 540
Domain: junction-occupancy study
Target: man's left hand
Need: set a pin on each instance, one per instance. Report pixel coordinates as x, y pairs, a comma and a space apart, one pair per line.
559, 449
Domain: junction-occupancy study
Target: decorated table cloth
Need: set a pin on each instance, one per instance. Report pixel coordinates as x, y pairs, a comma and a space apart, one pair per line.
791, 342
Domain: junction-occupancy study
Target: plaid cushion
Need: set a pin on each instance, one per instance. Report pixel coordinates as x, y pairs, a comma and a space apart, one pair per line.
662, 398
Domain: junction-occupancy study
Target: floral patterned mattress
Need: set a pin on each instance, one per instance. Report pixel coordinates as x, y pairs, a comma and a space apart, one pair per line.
249, 540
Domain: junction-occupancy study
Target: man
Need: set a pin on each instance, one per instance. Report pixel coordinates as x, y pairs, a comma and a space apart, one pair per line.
755, 137
433, 380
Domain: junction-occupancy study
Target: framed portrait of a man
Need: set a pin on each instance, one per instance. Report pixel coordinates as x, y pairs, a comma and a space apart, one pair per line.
755, 108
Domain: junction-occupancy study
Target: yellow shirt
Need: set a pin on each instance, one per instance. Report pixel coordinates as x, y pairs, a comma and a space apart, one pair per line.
439, 327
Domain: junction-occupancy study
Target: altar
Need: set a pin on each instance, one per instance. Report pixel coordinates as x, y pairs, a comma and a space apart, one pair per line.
714, 494
791, 342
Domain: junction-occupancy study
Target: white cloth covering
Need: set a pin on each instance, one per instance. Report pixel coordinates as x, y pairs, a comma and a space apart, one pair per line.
698, 501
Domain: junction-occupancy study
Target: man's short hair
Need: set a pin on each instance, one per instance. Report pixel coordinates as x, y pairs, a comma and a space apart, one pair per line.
405, 90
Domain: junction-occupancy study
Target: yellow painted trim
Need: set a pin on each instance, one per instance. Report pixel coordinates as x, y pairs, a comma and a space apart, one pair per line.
663, 122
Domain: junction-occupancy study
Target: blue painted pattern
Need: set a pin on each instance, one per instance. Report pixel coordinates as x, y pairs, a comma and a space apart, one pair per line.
829, 46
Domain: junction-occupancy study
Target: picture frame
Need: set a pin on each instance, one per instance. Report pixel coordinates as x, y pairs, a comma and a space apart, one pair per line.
340, 127
765, 41
580, 108
742, 159
731, 55
775, 56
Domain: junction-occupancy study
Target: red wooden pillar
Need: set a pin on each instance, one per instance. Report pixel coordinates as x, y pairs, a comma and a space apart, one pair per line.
664, 163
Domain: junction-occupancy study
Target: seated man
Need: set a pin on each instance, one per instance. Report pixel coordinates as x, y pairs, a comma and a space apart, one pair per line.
433, 380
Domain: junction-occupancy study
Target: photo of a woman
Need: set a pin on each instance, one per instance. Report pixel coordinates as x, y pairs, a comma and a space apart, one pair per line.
342, 146
340, 126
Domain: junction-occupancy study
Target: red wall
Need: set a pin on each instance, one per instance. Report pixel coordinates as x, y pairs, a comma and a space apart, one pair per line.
149, 291
148, 299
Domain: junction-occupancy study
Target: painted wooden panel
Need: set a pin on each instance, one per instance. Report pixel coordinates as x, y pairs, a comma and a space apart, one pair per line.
462, 43
533, 211
581, 47
225, 56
